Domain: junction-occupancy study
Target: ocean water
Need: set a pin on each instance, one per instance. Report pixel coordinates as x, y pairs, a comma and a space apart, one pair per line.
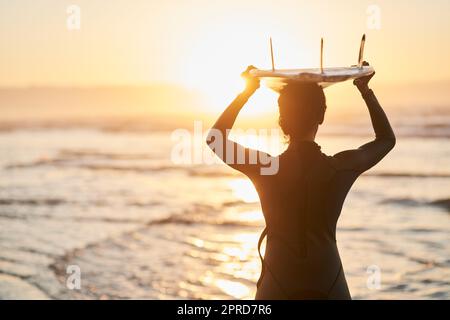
138, 225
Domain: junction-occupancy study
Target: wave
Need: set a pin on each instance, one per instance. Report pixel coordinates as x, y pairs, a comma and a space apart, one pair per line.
82, 159
76, 154
422, 230
424, 127
20, 216
409, 202
139, 169
352, 229
51, 202
407, 175
61, 162
235, 203
443, 203
190, 220
33, 202
191, 170
213, 174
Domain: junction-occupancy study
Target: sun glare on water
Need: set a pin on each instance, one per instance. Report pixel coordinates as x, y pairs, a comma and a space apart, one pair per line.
244, 190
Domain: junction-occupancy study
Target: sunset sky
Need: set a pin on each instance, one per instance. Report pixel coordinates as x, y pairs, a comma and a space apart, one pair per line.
205, 44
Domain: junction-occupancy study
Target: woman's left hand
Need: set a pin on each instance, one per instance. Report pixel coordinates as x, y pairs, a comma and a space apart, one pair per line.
363, 83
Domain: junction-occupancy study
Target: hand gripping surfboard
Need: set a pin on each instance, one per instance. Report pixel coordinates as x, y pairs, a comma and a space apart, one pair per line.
278, 78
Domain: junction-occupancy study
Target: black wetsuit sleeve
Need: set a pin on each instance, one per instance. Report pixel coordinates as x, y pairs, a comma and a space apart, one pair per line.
369, 154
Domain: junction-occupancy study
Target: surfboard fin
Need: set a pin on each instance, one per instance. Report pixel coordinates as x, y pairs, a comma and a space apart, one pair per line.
321, 55
361, 51
271, 54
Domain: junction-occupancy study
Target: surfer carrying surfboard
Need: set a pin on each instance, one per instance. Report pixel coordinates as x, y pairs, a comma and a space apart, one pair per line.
302, 202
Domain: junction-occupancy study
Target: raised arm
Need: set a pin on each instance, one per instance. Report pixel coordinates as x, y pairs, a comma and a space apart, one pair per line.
235, 155
369, 154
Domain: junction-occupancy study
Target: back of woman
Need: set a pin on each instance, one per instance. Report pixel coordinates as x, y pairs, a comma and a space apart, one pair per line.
301, 205
302, 199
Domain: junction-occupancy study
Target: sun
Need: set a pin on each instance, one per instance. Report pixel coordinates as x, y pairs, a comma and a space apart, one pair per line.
218, 56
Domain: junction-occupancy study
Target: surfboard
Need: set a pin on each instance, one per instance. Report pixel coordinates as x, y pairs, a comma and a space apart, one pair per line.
326, 77
278, 78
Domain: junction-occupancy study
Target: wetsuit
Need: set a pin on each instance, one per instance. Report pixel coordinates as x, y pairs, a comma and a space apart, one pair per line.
301, 205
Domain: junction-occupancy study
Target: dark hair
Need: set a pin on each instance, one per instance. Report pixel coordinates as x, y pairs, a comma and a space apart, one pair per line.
302, 106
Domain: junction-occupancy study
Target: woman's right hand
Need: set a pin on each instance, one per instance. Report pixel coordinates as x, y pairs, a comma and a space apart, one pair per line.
251, 84
363, 83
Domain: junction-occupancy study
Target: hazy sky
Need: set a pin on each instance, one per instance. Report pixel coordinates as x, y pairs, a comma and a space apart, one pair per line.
199, 43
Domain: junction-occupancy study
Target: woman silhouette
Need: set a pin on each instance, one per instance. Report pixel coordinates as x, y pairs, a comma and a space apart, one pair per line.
302, 201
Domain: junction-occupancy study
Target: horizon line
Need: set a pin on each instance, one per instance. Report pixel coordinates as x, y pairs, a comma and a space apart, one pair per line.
171, 84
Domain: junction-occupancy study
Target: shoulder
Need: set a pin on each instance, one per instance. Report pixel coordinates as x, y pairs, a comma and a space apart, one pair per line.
339, 161
347, 160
